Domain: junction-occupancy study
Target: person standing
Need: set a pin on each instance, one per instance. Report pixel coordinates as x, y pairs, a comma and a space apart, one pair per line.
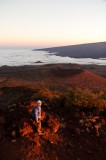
37, 115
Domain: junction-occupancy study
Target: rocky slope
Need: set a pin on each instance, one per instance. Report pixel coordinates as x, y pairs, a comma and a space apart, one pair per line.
69, 132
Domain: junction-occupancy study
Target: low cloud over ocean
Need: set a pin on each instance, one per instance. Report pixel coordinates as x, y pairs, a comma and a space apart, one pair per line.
27, 57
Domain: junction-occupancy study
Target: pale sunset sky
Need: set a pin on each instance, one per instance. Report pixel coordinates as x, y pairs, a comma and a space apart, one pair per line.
45, 23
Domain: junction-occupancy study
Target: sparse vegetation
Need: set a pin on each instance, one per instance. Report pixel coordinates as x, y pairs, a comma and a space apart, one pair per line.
84, 98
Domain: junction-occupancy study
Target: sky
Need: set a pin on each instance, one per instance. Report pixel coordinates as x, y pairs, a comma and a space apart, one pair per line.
45, 23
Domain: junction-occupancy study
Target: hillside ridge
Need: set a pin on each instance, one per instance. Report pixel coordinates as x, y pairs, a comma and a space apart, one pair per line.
87, 50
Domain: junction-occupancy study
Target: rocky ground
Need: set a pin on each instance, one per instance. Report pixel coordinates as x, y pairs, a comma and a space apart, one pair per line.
68, 132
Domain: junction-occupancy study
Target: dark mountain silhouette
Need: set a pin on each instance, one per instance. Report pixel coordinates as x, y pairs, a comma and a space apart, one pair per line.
90, 50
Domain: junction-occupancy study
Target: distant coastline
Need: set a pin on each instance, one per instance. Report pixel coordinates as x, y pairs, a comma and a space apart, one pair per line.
89, 50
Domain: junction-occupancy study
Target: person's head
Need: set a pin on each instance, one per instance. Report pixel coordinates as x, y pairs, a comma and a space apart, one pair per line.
39, 103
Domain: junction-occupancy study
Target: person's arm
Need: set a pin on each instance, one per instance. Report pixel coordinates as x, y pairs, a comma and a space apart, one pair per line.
36, 115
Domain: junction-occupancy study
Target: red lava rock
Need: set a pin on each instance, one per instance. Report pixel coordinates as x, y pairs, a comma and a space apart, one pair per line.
34, 138
43, 115
60, 146
27, 129
54, 124
51, 137
31, 106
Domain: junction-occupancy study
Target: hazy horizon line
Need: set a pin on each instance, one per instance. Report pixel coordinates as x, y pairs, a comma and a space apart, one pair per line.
42, 46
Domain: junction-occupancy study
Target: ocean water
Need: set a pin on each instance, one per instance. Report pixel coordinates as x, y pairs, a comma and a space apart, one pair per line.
28, 57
